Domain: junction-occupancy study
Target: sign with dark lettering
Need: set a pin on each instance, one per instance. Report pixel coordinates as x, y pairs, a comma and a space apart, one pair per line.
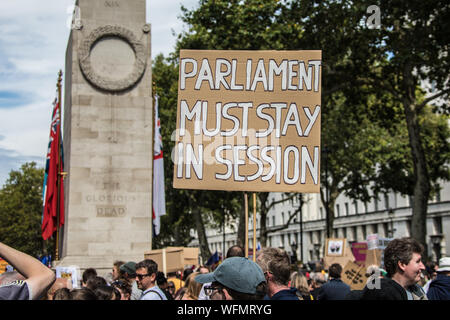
248, 120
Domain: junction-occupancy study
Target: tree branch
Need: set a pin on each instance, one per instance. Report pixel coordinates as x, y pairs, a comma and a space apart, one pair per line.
287, 223
431, 98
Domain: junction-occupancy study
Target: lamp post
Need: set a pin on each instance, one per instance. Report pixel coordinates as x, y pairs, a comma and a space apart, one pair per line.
391, 230
317, 250
436, 240
294, 252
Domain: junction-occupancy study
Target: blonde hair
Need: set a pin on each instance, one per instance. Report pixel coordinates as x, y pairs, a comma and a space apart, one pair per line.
299, 281
193, 287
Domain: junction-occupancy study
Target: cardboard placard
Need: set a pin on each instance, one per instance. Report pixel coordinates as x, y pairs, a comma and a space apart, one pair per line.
172, 259
248, 121
335, 247
336, 256
354, 275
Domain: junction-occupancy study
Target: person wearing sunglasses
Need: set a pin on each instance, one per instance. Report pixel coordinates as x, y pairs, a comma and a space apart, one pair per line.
146, 280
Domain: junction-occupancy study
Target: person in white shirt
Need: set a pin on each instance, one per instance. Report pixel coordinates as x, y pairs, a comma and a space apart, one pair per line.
146, 280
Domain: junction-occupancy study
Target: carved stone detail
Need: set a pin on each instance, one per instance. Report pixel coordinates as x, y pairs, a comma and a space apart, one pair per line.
103, 82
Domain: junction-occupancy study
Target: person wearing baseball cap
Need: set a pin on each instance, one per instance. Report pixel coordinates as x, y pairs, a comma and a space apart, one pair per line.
129, 272
440, 287
236, 278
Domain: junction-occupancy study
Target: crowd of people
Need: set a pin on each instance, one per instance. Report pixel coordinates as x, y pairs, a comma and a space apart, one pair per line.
271, 277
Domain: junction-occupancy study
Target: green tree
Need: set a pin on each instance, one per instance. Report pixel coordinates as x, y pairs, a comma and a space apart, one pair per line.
21, 210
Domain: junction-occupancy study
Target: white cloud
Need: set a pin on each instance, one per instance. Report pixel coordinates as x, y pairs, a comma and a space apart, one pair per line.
33, 40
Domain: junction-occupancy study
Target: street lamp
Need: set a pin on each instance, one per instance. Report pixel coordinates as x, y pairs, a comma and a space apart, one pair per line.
436, 240
391, 231
317, 250
294, 252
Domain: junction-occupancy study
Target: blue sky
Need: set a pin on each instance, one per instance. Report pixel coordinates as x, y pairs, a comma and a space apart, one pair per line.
33, 39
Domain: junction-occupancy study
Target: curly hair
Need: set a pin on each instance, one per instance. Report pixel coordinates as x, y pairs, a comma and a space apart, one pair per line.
400, 250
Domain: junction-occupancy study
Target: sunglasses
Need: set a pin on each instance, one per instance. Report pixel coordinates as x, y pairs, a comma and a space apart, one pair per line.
171, 287
210, 290
141, 276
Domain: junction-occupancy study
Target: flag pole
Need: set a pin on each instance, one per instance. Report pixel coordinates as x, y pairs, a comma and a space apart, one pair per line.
254, 227
246, 223
58, 170
152, 152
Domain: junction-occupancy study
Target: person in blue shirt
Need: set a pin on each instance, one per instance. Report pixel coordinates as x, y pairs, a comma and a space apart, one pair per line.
334, 289
440, 287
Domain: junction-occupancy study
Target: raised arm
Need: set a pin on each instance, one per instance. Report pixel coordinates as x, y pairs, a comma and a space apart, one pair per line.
38, 277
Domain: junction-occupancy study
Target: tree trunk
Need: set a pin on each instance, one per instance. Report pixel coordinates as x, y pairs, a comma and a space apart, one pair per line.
241, 227
263, 211
202, 238
422, 183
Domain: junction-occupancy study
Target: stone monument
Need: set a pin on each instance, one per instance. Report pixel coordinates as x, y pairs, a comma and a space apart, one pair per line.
107, 135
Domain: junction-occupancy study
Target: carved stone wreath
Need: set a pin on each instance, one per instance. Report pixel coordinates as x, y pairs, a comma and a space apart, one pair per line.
102, 82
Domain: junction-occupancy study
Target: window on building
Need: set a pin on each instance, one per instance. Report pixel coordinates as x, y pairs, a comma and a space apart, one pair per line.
346, 209
375, 228
376, 202
364, 232
273, 220
366, 207
386, 201
282, 240
344, 232
355, 204
282, 218
321, 213
338, 213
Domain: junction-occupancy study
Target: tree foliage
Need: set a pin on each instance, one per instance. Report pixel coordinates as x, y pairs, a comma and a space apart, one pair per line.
21, 210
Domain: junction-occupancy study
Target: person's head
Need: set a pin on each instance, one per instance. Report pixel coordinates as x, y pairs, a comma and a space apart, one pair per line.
116, 273
95, 282
186, 273
236, 278
299, 281
83, 294
444, 266
335, 271
88, 274
403, 258
124, 289
235, 251
58, 284
161, 280
171, 288
128, 270
275, 264
317, 279
146, 274
203, 269
62, 294
105, 292
193, 287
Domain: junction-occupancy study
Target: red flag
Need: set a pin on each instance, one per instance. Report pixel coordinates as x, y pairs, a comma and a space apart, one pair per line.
54, 180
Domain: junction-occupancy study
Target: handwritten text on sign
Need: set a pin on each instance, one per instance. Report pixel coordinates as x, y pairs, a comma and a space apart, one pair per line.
248, 120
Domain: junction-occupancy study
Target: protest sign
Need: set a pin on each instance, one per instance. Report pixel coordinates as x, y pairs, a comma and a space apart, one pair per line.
71, 273
249, 121
354, 275
337, 251
359, 250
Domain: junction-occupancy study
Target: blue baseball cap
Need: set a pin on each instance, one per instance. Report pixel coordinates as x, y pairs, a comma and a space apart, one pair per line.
236, 273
